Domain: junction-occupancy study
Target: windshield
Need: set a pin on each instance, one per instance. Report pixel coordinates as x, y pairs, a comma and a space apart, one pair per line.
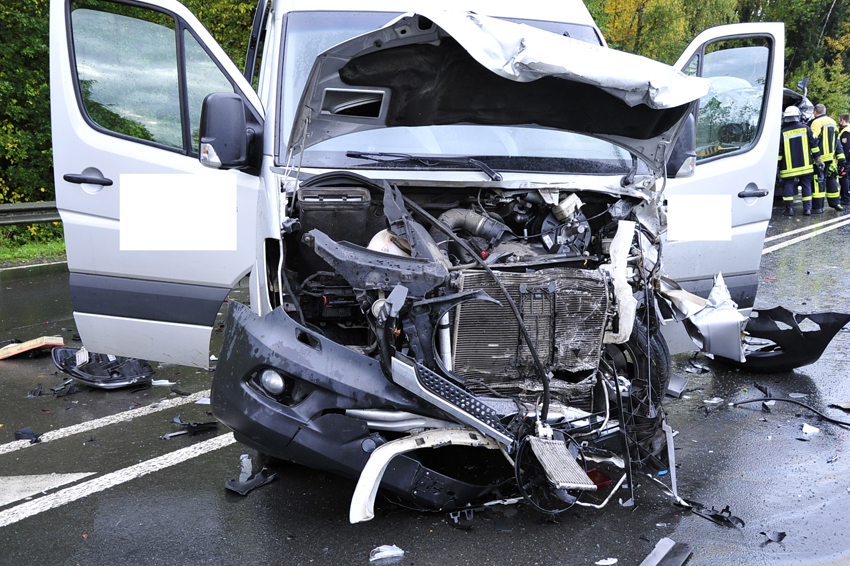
526, 148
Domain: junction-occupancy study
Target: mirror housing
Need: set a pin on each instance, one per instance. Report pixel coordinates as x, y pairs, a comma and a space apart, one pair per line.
683, 158
224, 133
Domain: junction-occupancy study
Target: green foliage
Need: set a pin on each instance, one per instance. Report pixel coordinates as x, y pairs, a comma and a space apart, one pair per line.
829, 84
25, 153
229, 22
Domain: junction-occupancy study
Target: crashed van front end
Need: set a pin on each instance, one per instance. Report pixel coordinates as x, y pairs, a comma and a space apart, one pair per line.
459, 329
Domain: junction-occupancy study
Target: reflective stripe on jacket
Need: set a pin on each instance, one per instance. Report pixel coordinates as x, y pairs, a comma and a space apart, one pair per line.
797, 149
825, 130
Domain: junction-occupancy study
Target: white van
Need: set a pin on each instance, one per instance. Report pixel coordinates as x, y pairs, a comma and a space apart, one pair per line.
452, 223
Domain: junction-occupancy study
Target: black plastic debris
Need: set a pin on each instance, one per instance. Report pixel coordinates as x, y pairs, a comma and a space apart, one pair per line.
180, 392
28, 434
843, 406
103, 370
259, 479
62, 386
773, 536
35, 392
780, 340
667, 552
723, 517
67, 389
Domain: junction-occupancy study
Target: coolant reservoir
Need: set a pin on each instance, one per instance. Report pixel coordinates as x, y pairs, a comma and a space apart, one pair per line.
383, 242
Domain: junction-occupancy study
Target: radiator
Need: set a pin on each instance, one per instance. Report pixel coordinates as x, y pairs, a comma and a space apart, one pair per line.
563, 309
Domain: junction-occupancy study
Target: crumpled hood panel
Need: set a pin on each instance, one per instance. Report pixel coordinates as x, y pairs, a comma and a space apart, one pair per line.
439, 68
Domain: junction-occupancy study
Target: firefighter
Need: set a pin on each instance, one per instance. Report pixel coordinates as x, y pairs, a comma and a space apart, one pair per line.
798, 149
831, 155
844, 137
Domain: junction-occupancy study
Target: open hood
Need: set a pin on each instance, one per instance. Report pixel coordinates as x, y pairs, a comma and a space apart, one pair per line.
439, 68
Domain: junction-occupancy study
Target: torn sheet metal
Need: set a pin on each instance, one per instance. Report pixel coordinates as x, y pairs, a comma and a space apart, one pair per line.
102, 370
363, 500
780, 340
723, 517
714, 324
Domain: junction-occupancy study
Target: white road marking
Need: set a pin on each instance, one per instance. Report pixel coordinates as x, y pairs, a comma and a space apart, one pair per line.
805, 229
15, 488
105, 421
73, 493
802, 238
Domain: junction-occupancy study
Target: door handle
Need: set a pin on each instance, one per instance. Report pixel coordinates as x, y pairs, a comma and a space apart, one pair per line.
751, 193
80, 179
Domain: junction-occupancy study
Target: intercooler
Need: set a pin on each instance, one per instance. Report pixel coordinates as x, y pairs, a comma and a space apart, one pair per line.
563, 309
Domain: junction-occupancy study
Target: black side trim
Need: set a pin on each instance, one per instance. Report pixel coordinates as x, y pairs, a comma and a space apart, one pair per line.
146, 300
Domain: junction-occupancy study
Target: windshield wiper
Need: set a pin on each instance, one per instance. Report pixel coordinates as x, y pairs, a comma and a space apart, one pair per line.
426, 160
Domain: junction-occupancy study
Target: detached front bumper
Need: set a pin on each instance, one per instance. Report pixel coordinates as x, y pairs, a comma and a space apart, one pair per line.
315, 432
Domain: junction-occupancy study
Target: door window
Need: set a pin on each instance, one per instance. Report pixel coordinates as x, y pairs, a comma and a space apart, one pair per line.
129, 65
730, 115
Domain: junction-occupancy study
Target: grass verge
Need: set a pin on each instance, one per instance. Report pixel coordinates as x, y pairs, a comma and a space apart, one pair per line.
32, 253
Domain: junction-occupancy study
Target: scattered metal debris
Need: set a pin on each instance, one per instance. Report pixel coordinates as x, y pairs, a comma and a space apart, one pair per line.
677, 384
191, 428
667, 552
104, 371
385, 551
723, 517
35, 392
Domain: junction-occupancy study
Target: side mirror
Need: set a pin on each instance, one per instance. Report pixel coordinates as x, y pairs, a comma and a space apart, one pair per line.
683, 158
224, 132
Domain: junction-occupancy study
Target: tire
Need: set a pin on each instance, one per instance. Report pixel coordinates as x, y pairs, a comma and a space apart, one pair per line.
630, 361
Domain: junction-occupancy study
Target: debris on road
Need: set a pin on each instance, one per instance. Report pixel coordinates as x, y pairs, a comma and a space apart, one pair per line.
191, 428
104, 371
723, 517
33, 346
163, 382
781, 340
385, 551
667, 552
28, 434
35, 392
713, 401
773, 536
677, 385
606, 562
844, 406
260, 479
808, 432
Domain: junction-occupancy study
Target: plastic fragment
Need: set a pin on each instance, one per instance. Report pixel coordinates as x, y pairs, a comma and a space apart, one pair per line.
606, 562
798, 395
27, 434
723, 517
667, 552
713, 401
163, 382
385, 551
842, 405
203, 401
773, 536
259, 479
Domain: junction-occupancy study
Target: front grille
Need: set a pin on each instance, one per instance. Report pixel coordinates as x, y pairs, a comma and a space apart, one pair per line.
563, 309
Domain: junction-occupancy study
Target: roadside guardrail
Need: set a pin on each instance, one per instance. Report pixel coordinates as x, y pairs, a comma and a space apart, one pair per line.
28, 213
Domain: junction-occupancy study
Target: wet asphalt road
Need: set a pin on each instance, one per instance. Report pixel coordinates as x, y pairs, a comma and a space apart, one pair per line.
181, 513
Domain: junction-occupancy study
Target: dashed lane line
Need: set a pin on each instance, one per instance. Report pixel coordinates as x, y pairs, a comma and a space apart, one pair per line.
105, 421
107, 481
766, 251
